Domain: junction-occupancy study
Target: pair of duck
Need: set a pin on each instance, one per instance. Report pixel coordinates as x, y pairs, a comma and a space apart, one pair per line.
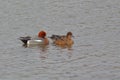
42, 39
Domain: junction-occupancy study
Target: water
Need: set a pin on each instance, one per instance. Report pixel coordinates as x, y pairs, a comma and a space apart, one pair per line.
95, 54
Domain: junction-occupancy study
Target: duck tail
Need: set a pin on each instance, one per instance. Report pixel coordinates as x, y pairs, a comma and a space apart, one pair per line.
25, 39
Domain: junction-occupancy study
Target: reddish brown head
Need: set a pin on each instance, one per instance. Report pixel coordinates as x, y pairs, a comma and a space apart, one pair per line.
69, 34
42, 34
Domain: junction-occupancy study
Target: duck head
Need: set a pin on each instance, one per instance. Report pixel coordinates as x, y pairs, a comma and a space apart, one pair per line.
42, 34
69, 35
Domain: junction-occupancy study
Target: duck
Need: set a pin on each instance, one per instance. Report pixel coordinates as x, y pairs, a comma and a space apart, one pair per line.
41, 39
63, 39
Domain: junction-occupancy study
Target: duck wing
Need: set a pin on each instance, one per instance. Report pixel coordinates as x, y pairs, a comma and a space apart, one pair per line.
54, 37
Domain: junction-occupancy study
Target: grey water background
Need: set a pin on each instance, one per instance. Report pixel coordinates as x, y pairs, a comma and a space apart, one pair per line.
95, 54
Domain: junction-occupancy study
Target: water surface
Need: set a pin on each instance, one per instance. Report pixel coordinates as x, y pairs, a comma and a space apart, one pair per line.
95, 54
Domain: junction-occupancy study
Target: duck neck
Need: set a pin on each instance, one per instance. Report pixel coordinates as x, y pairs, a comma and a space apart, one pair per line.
69, 37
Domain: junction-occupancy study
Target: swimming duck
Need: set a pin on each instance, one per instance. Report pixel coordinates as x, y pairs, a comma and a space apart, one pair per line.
41, 39
62, 39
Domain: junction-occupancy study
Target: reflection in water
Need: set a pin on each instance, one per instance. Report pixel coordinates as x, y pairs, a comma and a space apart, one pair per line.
69, 47
69, 53
40, 46
43, 49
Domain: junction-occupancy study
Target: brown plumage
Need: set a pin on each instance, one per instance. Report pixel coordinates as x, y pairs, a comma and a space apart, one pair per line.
62, 40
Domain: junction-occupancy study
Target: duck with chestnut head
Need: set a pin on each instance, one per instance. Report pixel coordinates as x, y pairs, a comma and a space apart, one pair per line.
41, 39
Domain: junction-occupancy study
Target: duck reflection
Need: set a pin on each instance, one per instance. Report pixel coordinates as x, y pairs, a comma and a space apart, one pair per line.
41, 47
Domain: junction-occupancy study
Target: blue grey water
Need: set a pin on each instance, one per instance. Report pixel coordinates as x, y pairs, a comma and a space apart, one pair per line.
95, 25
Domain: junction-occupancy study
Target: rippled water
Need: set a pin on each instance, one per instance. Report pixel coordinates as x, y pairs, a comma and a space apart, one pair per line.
95, 54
